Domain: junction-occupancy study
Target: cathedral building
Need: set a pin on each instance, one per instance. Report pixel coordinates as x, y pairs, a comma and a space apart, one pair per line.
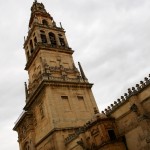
60, 111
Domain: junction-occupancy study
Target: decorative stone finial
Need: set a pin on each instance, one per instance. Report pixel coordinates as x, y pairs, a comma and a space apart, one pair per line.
129, 92
138, 87
142, 84
134, 90
26, 89
106, 110
115, 103
109, 108
61, 25
119, 101
122, 98
96, 110
146, 80
112, 105
103, 112
126, 95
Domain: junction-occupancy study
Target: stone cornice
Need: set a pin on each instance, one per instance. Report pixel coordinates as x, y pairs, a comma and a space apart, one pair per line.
55, 130
30, 100
23, 115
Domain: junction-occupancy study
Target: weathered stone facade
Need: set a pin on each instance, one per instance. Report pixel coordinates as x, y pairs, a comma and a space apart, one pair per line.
132, 115
61, 112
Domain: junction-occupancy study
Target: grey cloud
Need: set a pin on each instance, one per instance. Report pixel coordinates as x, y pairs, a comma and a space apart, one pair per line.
110, 39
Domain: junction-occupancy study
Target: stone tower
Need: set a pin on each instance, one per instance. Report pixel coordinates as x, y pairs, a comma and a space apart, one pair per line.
59, 99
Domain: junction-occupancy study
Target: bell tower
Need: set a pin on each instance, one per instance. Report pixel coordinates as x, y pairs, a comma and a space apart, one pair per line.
59, 99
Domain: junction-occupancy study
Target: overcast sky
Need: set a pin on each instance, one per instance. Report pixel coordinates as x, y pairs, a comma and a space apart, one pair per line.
110, 39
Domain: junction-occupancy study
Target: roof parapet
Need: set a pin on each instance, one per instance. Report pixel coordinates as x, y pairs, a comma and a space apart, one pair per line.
131, 92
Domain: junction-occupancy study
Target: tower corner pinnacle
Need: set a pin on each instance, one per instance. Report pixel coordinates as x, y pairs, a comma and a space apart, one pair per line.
82, 72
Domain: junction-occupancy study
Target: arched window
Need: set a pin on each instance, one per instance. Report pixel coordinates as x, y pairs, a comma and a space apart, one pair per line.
43, 38
52, 39
42, 31
35, 41
44, 22
62, 41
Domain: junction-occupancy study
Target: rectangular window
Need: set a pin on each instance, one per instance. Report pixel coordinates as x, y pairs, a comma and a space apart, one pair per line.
66, 103
81, 105
112, 135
